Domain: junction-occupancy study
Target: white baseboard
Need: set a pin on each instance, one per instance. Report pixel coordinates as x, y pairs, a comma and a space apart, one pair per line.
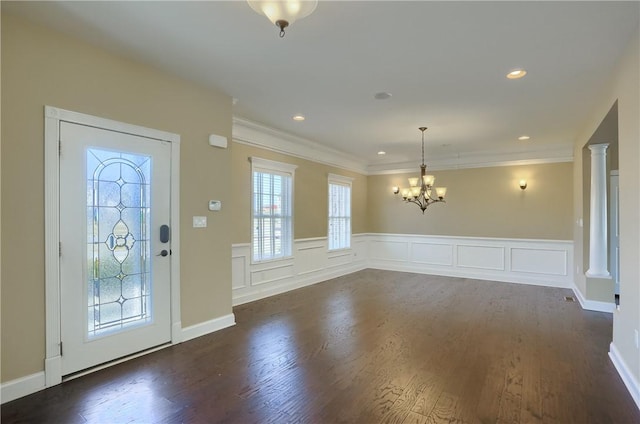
627, 377
20, 387
474, 275
207, 327
33, 383
593, 305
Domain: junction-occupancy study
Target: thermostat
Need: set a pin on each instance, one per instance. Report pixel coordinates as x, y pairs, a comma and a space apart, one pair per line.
215, 205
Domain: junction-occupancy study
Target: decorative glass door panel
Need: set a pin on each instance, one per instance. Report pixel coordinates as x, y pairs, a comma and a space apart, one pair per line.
115, 285
118, 226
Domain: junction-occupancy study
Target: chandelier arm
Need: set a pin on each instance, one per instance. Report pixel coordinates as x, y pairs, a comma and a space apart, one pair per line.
418, 203
421, 202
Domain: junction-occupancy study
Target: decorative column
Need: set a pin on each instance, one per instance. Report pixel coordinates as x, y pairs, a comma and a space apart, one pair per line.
598, 216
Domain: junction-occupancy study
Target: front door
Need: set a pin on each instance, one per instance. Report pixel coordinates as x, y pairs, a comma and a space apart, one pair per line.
115, 281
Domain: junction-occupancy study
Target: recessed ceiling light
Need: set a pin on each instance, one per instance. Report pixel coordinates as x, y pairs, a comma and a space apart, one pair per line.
382, 152
298, 117
516, 74
383, 95
524, 137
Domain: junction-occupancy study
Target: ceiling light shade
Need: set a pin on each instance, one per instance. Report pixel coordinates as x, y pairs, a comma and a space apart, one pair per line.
422, 195
428, 180
284, 12
383, 95
516, 74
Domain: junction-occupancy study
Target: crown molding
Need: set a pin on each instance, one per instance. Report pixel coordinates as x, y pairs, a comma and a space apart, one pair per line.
258, 135
484, 159
264, 137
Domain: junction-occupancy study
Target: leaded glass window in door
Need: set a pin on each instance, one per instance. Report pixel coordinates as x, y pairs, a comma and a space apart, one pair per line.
118, 244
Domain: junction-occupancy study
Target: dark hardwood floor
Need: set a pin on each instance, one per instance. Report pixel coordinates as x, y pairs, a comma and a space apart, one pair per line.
370, 347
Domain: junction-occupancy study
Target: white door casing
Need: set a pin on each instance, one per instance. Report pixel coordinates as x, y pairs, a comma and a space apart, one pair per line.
614, 227
57, 224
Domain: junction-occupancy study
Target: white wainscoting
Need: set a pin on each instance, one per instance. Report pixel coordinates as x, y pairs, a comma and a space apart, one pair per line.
538, 262
311, 263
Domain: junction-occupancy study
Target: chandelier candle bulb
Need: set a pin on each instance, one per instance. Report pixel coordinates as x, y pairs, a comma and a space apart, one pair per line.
422, 195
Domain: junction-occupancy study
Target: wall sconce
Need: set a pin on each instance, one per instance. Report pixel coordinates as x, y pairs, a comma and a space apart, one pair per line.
396, 189
523, 184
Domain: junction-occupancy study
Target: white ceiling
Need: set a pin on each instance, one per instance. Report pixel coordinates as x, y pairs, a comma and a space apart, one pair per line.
444, 62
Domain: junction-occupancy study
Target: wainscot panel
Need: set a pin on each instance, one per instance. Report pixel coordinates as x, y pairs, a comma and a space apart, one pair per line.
432, 253
481, 257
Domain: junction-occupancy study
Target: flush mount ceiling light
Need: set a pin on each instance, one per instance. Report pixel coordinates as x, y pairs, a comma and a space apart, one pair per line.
422, 194
285, 12
524, 137
298, 117
382, 152
383, 95
516, 74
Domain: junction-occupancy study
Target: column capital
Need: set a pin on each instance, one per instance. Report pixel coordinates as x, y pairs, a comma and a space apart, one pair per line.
600, 147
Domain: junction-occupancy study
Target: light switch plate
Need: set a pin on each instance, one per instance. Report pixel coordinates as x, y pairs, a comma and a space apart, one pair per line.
199, 221
215, 205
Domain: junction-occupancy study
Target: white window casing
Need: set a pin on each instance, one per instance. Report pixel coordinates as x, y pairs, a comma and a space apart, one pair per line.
271, 209
339, 213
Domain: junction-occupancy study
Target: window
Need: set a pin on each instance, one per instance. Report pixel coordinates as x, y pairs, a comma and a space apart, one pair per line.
272, 207
339, 212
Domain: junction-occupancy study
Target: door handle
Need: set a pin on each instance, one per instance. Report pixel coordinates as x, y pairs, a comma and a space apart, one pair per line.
164, 234
163, 253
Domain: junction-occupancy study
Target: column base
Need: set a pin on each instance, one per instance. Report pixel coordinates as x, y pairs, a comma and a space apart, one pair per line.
598, 274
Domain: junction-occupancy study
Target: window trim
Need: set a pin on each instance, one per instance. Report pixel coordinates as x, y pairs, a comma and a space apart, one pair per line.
335, 179
275, 167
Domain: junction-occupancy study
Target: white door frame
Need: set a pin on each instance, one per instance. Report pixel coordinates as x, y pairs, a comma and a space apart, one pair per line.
614, 229
52, 118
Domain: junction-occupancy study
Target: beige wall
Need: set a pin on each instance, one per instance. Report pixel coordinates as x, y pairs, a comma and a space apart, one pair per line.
41, 67
310, 194
481, 202
624, 87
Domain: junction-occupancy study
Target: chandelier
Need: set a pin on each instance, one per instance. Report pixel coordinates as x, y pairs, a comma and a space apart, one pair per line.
422, 194
283, 13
